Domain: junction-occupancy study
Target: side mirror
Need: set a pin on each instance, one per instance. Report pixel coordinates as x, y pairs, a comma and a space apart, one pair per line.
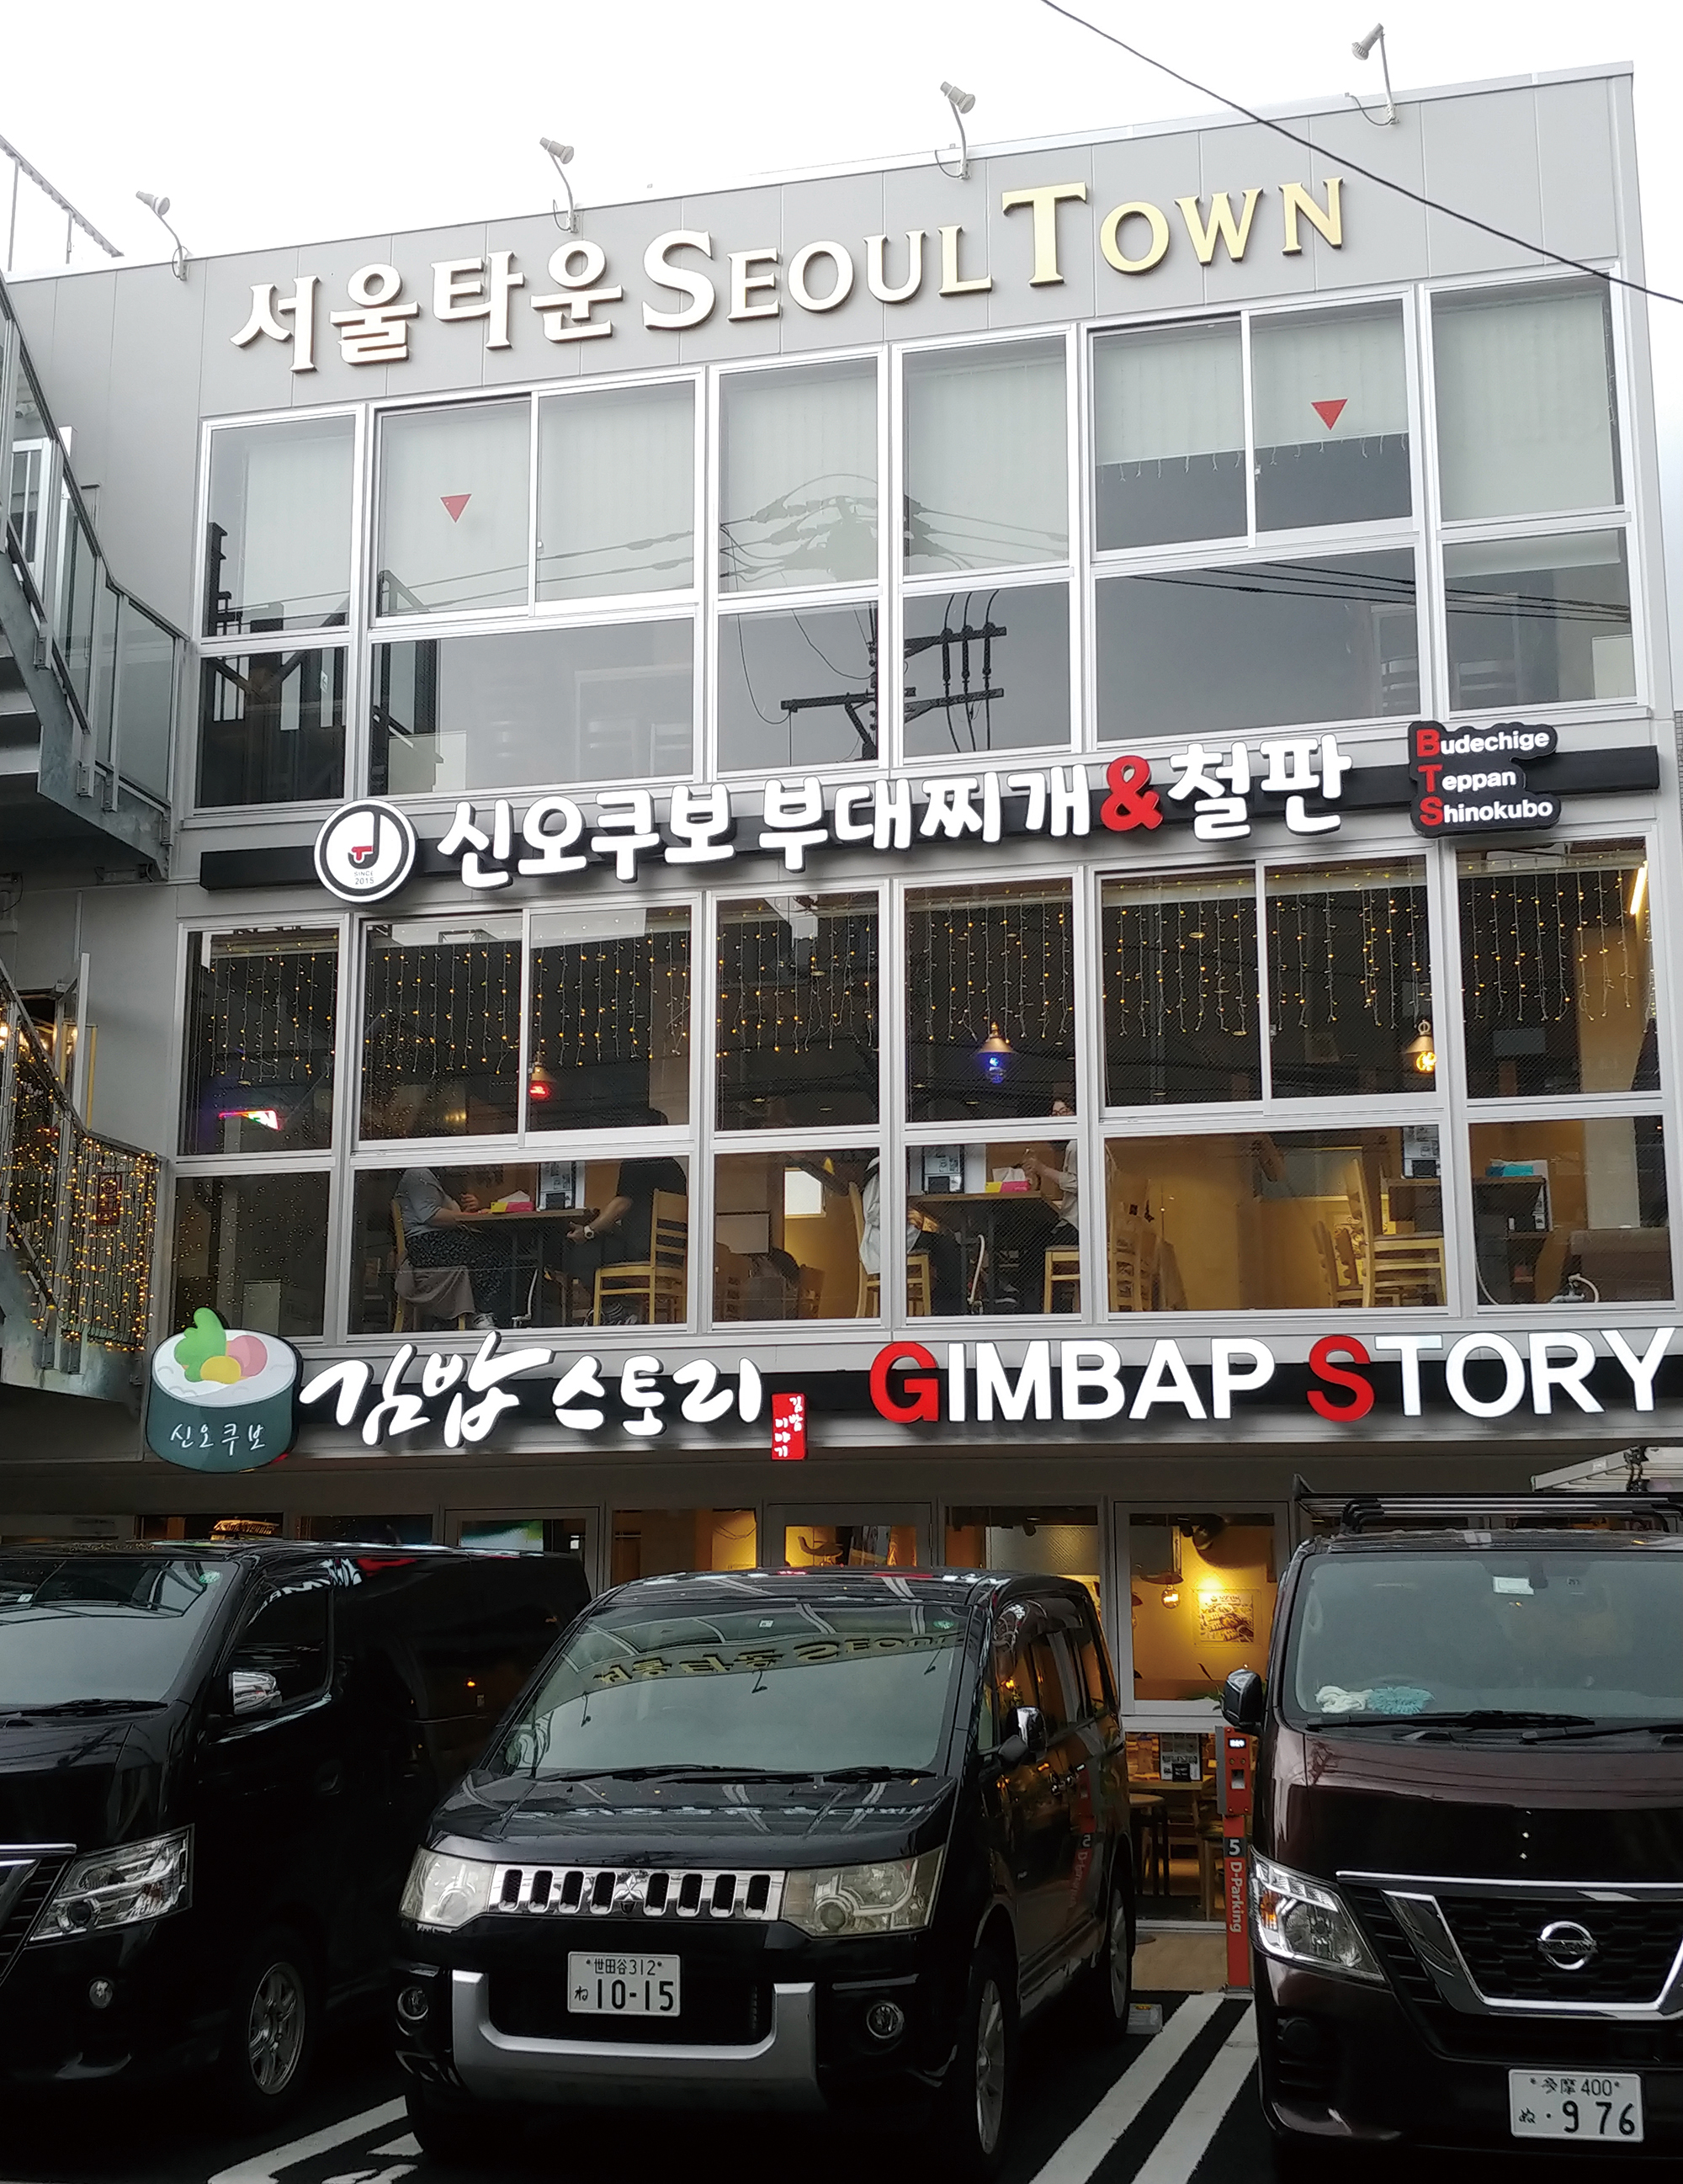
1028, 1738
252, 1691
1244, 1701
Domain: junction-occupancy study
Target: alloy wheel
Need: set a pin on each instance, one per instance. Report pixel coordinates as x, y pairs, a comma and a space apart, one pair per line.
991, 2061
275, 2029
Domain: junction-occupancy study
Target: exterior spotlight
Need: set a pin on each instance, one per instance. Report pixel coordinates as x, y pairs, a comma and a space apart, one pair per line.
961, 103
158, 208
567, 222
1362, 48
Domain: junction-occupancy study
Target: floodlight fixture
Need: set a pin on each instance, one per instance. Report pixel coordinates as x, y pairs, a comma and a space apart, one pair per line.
561, 154
1362, 48
159, 207
961, 101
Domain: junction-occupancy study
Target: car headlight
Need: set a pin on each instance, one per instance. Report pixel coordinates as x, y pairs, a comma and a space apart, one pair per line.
120, 1888
446, 1892
1301, 1921
896, 1896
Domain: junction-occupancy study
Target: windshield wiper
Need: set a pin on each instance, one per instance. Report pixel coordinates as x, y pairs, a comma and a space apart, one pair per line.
871, 1774
88, 1706
1472, 1718
1623, 1729
680, 1771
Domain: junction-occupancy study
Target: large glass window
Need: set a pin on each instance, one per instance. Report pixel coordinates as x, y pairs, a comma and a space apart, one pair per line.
1330, 395
798, 689
617, 492
145, 707
990, 1000
1527, 420
441, 1030
609, 1019
455, 496
663, 1542
986, 481
987, 670
1180, 977
1169, 435
1275, 1220
261, 1012
1539, 621
1203, 1605
528, 707
253, 1248
1556, 976
1051, 1540
798, 476
271, 727
1269, 645
1571, 1212
790, 1236
1350, 980
995, 1227
277, 547
797, 1014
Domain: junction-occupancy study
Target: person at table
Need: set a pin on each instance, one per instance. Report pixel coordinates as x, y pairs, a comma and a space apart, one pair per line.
623, 1233
434, 1240
944, 1252
1056, 1179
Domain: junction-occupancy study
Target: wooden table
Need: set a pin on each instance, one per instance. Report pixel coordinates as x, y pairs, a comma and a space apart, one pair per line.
977, 1214
533, 1222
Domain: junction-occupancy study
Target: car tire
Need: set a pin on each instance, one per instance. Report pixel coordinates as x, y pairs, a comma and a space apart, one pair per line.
269, 2049
1106, 1988
974, 2117
447, 2131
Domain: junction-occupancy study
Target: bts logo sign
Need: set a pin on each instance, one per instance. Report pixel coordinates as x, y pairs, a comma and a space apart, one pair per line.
1470, 781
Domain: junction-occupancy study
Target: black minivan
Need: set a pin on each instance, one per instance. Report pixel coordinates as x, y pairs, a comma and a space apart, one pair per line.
809, 1839
215, 1763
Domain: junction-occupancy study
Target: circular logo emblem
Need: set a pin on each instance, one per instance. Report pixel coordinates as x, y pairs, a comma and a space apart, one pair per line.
364, 852
1566, 1945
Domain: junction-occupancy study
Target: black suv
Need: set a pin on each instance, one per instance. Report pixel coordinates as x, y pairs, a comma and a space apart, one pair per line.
802, 1838
215, 1763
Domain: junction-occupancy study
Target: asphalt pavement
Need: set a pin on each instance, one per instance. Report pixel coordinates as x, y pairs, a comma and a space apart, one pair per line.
1177, 2107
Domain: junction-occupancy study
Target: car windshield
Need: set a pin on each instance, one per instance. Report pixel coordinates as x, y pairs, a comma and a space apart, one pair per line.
779, 1687
1588, 1635
87, 1629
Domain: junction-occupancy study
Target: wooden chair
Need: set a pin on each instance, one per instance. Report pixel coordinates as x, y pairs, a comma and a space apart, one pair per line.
920, 1296
870, 1303
400, 1311
810, 1296
1063, 1271
1341, 1289
1392, 1270
656, 1284
1133, 1264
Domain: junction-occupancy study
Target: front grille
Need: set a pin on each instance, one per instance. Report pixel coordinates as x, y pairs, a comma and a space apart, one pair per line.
716, 2011
26, 1908
590, 1892
1407, 1974
1635, 1946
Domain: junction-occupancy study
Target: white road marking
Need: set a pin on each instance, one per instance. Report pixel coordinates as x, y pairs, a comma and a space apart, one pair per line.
261, 2169
409, 2143
1182, 2146
1093, 2138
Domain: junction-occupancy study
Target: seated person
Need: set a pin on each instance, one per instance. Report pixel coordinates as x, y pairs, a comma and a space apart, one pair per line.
623, 1233
944, 1252
433, 1238
1054, 1177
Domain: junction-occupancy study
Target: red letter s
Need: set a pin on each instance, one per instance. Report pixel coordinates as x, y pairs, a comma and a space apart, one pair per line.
1361, 1390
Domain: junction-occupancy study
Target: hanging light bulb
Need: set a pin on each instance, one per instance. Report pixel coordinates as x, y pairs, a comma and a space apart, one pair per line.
994, 1055
1422, 1050
540, 1085
1171, 1596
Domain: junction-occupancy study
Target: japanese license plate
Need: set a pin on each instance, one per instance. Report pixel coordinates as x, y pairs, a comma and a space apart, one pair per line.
1602, 2106
622, 1986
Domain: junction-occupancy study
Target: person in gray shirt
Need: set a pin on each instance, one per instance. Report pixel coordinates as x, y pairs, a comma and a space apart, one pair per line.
434, 1236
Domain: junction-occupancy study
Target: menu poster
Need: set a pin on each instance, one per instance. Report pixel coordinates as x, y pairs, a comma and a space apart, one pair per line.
1228, 1619
1180, 1756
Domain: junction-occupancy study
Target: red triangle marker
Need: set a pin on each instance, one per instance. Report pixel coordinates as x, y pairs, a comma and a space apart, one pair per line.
1328, 412
455, 502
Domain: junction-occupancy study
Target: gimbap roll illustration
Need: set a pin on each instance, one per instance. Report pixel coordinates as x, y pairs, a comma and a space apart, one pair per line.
221, 1398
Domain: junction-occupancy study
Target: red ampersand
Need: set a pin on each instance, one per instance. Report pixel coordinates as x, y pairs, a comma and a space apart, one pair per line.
1130, 803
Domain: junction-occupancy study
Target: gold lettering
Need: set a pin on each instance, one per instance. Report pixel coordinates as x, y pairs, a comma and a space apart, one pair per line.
950, 283
1296, 199
1045, 203
1110, 238
876, 249
1221, 227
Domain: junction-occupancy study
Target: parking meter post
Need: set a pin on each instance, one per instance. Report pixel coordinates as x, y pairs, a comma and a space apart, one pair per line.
1232, 1795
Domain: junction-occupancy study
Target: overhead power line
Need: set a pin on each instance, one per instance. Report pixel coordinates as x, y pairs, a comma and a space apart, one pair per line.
1384, 181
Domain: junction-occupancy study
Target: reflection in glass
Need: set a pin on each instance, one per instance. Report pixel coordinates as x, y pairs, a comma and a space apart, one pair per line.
986, 485
271, 726
441, 1030
1275, 1220
662, 1542
990, 1000
1169, 434
798, 689
1043, 1537
253, 1248
798, 476
1271, 644
1181, 1009
790, 1240
73, 609
797, 1024
610, 1018
1539, 621
987, 670
1527, 418
1203, 1605
1571, 1212
454, 502
261, 1010
1330, 390
617, 492
26, 495
527, 707
1556, 975
850, 1546
277, 545
1350, 980
145, 703
995, 1228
